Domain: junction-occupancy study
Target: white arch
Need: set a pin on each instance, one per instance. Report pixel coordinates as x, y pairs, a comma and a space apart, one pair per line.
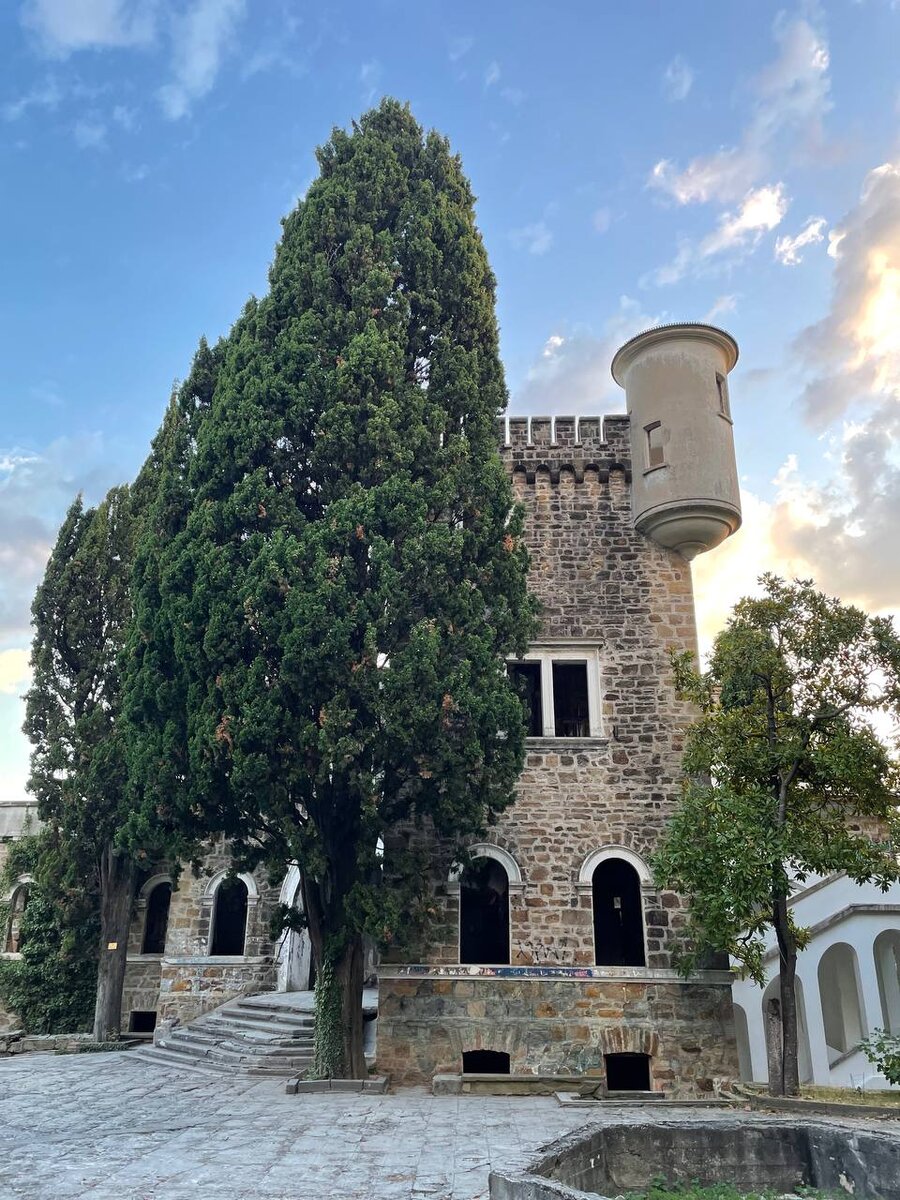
290, 888
216, 881
22, 881
596, 857
498, 854
153, 882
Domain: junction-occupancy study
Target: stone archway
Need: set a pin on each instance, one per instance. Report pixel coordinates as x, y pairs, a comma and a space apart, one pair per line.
293, 953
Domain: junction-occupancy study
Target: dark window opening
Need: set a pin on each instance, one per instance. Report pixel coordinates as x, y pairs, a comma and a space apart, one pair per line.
618, 915
142, 1021
484, 914
627, 1072
15, 940
656, 453
722, 386
485, 1062
157, 919
526, 678
230, 918
570, 700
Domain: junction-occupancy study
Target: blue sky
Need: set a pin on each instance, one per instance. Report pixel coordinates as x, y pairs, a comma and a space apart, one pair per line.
633, 163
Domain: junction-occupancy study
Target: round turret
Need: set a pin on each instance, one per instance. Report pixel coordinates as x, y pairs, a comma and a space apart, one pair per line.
685, 491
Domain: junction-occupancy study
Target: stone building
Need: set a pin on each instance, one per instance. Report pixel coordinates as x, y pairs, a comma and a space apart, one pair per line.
552, 953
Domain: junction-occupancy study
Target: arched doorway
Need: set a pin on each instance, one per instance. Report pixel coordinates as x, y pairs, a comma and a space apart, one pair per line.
742, 1034
18, 902
839, 997
229, 918
157, 921
771, 1013
294, 949
484, 913
887, 970
618, 915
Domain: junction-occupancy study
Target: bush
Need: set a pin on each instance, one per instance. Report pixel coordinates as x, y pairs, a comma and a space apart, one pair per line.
882, 1050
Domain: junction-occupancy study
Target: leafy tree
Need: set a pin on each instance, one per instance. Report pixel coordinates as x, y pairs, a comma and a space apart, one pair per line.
73, 717
786, 776
52, 987
350, 575
882, 1049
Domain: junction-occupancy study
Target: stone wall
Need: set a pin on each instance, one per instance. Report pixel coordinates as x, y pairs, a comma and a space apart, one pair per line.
560, 1026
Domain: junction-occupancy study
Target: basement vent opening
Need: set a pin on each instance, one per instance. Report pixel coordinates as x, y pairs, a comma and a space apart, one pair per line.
485, 1062
627, 1072
142, 1021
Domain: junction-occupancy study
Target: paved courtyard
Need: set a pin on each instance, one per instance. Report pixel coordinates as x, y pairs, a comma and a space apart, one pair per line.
104, 1126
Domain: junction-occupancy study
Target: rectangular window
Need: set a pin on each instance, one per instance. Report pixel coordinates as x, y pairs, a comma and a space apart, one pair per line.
571, 717
722, 385
656, 454
526, 677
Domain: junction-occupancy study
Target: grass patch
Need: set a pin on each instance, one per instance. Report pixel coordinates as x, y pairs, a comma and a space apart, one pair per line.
660, 1189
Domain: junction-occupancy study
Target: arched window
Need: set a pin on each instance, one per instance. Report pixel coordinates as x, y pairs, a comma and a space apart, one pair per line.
485, 1062
484, 913
18, 902
742, 1034
229, 918
887, 969
839, 996
618, 914
157, 921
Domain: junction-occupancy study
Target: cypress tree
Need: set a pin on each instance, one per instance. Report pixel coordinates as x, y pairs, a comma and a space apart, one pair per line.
349, 577
73, 718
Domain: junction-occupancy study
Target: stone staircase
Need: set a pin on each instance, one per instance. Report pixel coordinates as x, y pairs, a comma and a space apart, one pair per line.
269, 1034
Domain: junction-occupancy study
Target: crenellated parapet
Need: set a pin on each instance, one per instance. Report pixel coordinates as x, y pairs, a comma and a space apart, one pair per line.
572, 443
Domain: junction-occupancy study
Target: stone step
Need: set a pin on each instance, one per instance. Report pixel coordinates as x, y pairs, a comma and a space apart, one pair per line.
258, 1037
189, 1038
253, 1023
159, 1057
236, 1060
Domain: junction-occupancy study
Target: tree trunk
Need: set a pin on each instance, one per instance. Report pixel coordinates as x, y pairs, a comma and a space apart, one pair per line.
117, 878
789, 1083
339, 959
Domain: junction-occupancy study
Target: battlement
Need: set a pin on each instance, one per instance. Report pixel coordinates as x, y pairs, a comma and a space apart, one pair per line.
548, 443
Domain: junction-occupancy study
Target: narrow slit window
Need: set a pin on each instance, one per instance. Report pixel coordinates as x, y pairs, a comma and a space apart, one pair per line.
722, 386
571, 715
656, 454
526, 678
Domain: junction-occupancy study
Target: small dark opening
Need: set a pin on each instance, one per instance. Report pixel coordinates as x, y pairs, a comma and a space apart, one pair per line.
142, 1021
526, 678
157, 919
627, 1072
570, 699
484, 914
230, 918
15, 938
618, 916
485, 1062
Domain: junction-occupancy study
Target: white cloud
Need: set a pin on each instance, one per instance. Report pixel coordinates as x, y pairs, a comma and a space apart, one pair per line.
721, 306
536, 238
201, 36
15, 672
737, 234
125, 118
601, 220
370, 78
570, 373
90, 134
64, 26
46, 95
677, 80
459, 48
791, 98
492, 74
787, 249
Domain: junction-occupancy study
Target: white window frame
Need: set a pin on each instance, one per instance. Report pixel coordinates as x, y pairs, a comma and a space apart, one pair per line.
546, 655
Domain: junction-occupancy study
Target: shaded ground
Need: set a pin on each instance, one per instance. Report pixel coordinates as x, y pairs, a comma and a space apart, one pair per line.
104, 1127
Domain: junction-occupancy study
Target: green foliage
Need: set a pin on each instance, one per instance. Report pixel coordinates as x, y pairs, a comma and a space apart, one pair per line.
333, 571
50, 988
660, 1189
882, 1049
786, 774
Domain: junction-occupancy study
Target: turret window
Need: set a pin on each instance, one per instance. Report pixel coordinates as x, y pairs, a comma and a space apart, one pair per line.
722, 388
656, 452
560, 691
